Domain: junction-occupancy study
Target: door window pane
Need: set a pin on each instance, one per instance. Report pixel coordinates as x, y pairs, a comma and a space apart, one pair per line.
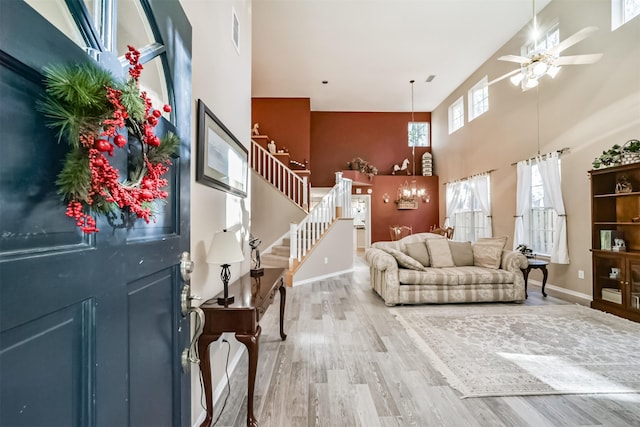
57, 13
152, 80
133, 27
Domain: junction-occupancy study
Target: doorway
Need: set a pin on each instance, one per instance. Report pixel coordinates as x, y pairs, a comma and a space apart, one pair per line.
361, 212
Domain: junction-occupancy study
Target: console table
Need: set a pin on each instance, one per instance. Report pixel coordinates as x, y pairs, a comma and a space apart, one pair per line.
253, 296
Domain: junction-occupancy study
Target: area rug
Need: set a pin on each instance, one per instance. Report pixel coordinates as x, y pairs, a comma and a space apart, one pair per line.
518, 350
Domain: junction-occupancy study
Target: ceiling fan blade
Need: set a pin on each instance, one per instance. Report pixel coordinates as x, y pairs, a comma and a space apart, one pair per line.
504, 76
515, 58
578, 59
571, 40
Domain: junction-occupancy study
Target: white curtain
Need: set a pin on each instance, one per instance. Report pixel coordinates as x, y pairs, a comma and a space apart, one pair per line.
453, 194
480, 188
549, 169
523, 202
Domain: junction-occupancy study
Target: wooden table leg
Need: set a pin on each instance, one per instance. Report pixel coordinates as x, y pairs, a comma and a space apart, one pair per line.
251, 342
525, 273
205, 369
283, 300
545, 273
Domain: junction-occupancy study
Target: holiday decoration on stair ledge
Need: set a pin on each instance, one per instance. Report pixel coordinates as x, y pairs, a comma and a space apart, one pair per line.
90, 110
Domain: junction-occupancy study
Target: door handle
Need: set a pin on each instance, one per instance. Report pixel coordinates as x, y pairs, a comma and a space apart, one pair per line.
189, 354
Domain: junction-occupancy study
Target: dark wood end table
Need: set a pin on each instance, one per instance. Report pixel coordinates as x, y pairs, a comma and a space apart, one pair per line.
253, 296
533, 264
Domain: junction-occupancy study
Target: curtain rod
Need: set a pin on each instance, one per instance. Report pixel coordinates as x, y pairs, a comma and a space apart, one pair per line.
544, 156
469, 177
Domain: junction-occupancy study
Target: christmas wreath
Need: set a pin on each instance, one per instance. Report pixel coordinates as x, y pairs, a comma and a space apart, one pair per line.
90, 109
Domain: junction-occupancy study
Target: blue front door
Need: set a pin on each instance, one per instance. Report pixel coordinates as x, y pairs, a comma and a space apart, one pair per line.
91, 331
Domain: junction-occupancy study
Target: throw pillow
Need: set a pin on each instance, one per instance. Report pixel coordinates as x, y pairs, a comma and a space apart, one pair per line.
404, 260
462, 253
419, 252
440, 253
487, 252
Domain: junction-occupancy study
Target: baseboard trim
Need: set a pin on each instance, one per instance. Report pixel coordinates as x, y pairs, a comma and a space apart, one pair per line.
324, 276
584, 298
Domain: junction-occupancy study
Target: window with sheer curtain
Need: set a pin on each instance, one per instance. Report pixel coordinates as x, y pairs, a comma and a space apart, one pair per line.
541, 222
469, 208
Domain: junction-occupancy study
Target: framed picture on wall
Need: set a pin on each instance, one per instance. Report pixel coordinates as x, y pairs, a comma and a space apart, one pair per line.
222, 161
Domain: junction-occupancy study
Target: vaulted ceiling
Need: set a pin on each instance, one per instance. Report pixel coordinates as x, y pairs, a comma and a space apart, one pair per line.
368, 50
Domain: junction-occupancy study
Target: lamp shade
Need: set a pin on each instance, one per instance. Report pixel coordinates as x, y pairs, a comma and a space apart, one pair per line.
224, 249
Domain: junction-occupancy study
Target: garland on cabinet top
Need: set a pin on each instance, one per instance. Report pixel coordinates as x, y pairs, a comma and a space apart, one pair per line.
90, 110
617, 155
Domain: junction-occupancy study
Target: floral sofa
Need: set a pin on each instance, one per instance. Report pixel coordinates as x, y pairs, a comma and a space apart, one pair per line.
428, 268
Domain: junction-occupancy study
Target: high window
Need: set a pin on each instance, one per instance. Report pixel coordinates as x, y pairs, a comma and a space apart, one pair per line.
545, 40
469, 208
478, 99
418, 134
540, 215
623, 11
456, 115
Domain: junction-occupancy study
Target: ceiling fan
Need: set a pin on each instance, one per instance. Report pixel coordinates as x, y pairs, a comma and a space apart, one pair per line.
541, 62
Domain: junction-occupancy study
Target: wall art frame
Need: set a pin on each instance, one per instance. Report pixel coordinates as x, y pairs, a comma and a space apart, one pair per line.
222, 161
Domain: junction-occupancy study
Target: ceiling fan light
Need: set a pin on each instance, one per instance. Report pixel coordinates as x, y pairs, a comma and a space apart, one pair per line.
553, 71
539, 68
531, 83
516, 79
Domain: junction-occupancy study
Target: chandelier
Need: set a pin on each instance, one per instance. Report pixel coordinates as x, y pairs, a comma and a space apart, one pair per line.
409, 194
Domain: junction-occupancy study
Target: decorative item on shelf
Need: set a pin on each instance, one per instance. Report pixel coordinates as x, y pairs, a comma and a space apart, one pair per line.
272, 147
402, 168
285, 149
619, 245
631, 152
525, 250
358, 164
409, 195
91, 110
427, 164
224, 251
255, 129
623, 185
256, 269
615, 273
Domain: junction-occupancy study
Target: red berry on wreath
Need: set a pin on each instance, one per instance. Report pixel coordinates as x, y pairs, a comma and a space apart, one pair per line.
146, 195
120, 140
152, 120
103, 145
167, 108
157, 113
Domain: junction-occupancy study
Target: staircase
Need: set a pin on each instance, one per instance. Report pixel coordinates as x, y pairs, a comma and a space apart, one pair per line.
296, 245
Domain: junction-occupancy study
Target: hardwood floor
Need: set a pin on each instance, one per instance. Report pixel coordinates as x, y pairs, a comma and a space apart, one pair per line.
347, 362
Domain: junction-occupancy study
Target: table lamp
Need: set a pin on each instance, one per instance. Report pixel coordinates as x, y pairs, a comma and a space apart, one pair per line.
225, 250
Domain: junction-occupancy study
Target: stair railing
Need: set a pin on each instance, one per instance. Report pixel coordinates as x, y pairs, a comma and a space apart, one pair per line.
335, 204
280, 175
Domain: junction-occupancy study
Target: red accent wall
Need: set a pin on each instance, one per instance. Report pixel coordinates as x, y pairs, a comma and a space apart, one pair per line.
379, 138
384, 215
287, 122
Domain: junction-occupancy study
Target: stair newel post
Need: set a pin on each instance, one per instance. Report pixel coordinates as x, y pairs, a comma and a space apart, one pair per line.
293, 242
339, 196
346, 183
305, 193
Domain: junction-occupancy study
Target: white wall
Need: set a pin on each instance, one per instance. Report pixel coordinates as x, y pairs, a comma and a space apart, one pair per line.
222, 79
586, 108
332, 249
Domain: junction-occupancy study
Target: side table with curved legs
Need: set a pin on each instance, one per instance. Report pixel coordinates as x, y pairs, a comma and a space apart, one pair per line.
533, 264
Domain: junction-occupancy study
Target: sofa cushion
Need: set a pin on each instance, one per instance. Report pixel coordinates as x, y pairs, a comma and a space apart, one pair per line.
429, 276
440, 253
487, 252
419, 252
462, 253
404, 260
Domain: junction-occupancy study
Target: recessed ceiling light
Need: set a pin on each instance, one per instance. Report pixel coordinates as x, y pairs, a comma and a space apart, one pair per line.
324, 82
430, 78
